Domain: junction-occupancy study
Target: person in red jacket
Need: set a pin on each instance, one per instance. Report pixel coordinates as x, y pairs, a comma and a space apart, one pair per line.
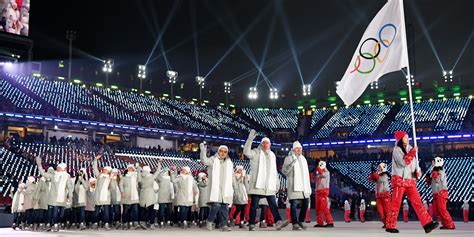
347, 211
439, 185
322, 194
465, 211
382, 191
405, 171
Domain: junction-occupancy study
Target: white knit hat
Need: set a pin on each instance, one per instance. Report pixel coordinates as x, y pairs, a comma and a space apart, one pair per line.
239, 167
130, 166
92, 179
297, 144
108, 168
146, 168
202, 174
186, 168
114, 170
223, 147
265, 139
62, 165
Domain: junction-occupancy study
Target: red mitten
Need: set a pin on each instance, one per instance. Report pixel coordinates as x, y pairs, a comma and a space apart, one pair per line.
409, 157
373, 177
435, 175
320, 171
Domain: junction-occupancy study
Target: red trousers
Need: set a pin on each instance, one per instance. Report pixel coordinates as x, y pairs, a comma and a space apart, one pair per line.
439, 200
408, 187
465, 214
361, 215
288, 214
347, 216
383, 205
269, 216
308, 219
405, 215
322, 207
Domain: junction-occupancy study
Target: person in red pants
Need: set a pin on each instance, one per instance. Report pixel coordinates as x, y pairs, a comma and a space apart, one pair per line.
406, 209
465, 211
362, 211
382, 191
347, 211
439, 185
405, 171
322, 194
308, 219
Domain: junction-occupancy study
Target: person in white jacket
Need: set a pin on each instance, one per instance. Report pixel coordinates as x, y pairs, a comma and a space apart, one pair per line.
61, 190
220, 189
296, 170
264, 181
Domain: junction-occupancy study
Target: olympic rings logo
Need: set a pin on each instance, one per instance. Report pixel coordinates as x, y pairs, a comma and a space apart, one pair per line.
375, 55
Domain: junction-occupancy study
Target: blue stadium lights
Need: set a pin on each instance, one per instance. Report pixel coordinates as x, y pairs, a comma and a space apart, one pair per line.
424, 138
159, 132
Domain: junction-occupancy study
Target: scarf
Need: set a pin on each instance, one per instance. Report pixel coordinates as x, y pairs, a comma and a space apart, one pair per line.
171, 185
216, 179
133, 186
104, 191
301, 175
21, 201
61, 178
118, 194
265, 176
81, 195
189, 181
244, 190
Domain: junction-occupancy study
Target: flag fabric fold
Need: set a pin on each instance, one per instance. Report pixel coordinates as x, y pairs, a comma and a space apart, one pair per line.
382, 49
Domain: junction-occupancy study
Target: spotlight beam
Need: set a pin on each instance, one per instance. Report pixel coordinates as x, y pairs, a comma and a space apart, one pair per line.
463, 49
283, 57
243, 45
426, 33
165, 27
333, 53
267, 44
192, 11
190, 37
236, 42
289, 38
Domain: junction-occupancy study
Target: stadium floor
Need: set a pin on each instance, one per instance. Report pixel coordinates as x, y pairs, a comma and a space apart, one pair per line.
353, 229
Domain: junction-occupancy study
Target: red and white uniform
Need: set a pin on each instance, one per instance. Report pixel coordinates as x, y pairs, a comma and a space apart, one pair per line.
439, 185
382, 190
405, 170
406, 209
347, 211
465, 211
362, 211
322, 194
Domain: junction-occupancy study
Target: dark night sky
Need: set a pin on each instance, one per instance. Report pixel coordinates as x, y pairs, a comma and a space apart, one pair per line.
126, 31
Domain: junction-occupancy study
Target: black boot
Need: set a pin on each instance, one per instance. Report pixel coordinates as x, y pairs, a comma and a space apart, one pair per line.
392, 230
430, 226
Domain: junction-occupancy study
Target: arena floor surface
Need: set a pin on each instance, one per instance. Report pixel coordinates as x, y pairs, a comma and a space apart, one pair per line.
353, 229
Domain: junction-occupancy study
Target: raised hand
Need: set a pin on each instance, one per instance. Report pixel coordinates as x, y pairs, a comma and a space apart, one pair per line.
252, 134
202, 146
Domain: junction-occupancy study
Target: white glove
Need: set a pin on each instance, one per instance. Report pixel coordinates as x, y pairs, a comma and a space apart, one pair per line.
252, 134
202, 146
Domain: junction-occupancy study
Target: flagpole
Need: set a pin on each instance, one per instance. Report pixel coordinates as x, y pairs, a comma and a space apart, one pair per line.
410, 94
